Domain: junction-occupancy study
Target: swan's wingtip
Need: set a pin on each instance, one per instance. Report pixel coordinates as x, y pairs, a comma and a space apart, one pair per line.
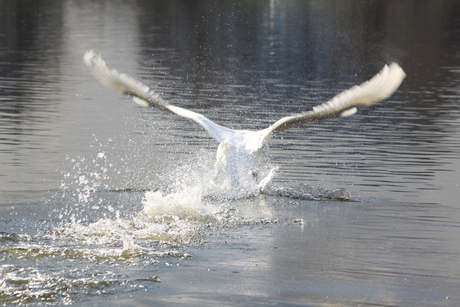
384, 84
90, 54
92, 58
397, 70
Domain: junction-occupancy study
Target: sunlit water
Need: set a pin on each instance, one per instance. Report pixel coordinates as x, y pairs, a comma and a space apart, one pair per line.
106, 203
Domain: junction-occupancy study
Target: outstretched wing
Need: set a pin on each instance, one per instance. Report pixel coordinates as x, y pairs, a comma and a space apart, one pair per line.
145, 97
380, 87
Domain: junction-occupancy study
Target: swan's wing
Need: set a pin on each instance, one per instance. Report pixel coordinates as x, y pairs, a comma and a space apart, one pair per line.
380, 87
145, 97
376, 89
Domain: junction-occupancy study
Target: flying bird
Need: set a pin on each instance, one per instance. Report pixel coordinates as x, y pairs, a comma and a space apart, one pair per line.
242, 154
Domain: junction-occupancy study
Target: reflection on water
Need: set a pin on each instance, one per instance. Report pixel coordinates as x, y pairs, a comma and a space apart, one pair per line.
76, 159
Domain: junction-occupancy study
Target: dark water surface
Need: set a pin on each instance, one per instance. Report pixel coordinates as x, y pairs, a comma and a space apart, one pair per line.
80, 222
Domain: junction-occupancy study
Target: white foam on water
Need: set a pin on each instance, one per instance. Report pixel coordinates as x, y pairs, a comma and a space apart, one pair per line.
185, 204
187, 201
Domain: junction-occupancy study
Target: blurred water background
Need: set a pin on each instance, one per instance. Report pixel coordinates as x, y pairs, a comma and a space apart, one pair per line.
100, 199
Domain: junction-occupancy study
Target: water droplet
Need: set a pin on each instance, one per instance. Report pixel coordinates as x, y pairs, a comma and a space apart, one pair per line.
156, 279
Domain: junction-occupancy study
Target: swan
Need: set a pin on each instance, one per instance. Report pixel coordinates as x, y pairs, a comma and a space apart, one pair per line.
242, 155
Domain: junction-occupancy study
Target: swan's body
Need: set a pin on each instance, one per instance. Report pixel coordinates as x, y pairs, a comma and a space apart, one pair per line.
241, 153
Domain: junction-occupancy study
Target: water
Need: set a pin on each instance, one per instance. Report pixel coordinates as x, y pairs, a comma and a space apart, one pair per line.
101, 202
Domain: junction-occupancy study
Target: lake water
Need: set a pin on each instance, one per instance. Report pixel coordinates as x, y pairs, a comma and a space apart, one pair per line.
101, 201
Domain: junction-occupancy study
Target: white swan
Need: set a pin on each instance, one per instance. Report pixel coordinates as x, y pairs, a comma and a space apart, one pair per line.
241, 154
